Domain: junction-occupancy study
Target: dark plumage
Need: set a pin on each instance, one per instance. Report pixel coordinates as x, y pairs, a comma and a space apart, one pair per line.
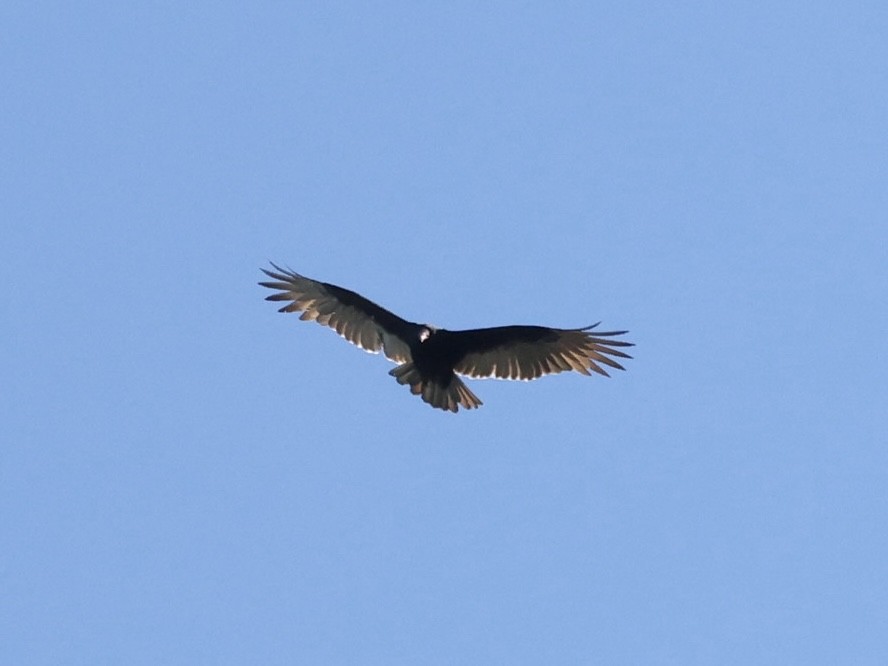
430, 358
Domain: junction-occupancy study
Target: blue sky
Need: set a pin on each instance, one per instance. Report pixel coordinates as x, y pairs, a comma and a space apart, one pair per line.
189, 477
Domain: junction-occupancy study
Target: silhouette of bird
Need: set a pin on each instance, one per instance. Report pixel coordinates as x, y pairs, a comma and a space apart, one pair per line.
430, 359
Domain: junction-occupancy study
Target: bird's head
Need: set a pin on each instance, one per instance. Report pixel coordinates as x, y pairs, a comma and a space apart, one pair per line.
426, 332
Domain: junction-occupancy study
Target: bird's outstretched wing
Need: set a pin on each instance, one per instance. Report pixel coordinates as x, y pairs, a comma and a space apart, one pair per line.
529, 352
355, 318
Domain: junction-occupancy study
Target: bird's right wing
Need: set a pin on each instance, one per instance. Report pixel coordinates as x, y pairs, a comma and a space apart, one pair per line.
529, 352
355, 318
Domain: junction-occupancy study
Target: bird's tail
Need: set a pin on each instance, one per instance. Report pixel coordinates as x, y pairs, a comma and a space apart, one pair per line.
447, 397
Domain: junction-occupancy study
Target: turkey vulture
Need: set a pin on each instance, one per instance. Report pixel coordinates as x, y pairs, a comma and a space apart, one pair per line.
429, 359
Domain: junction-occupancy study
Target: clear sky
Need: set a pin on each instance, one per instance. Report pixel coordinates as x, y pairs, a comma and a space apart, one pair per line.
190, 477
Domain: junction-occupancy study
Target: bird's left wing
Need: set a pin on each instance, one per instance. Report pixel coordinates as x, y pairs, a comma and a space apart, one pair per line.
529, 352
355, 318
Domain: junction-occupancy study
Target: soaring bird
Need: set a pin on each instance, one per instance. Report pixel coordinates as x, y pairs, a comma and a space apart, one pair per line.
429, 359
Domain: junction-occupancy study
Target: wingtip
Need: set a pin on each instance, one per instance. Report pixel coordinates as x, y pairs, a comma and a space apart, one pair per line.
608, 334
287, 272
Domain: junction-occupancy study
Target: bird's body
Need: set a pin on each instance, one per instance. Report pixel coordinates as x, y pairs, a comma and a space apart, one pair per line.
430, 358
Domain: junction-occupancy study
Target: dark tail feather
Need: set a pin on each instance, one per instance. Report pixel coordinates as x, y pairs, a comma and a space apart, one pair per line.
443, 397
